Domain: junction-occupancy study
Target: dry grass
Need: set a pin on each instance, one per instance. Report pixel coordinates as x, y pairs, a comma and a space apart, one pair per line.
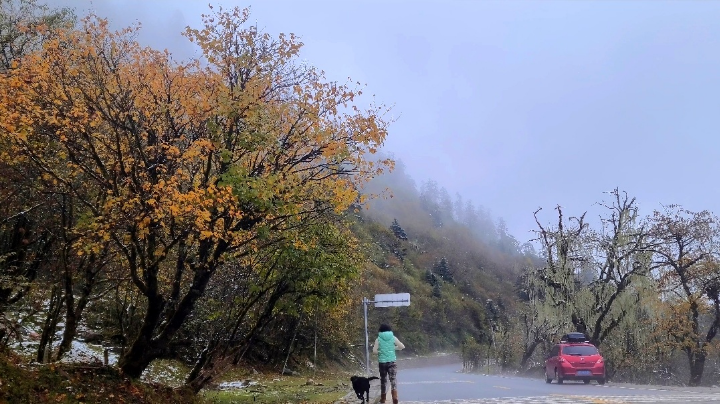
322, 387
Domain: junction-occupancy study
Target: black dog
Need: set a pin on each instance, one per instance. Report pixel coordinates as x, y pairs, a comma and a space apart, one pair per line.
361, 385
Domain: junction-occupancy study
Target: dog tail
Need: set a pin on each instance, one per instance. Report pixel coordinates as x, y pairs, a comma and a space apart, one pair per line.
373, 378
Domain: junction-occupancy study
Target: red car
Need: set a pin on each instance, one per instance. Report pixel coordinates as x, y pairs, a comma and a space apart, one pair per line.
574, 358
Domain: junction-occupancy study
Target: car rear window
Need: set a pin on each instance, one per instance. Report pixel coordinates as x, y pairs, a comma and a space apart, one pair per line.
579, 350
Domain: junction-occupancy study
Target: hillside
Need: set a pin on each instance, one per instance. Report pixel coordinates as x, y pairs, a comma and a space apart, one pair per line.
452, 258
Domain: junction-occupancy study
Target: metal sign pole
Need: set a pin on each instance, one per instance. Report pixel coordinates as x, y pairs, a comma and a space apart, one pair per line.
367, 347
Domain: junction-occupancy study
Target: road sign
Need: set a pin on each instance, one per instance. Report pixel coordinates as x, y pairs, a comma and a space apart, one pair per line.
392, 300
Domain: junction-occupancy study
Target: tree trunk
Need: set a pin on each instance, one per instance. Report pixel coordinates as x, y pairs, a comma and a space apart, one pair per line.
146, 347
143, 351
199, 365
198, 383
697, 366
138, 358
289, 348
528, 353
213, 362
68, 333
48, 331
73, 313
72, 316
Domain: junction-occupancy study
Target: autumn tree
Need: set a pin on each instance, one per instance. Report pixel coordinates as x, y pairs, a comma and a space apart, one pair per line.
538, 322
564, 249
25, 25
620, 259
592, 278
687, 273
187, 164
284, 280
547, 291
72, 280
27, 224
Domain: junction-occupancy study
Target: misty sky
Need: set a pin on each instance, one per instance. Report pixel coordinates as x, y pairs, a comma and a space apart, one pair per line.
513, 104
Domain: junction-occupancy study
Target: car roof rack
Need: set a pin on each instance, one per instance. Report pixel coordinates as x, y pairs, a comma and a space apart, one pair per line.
574, 337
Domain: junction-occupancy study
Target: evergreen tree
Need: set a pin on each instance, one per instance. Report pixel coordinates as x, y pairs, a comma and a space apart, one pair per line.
431, 278
430, 202
436, 290
397, 230
442, 268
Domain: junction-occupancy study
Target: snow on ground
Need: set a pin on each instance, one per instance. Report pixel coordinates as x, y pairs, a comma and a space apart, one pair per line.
171, 373
241, 384
87, 353
168, 372
80, 352
24, 348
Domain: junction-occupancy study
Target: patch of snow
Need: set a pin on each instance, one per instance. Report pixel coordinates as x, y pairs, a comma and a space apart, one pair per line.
83, 352
240, 384
25, 348
165, 372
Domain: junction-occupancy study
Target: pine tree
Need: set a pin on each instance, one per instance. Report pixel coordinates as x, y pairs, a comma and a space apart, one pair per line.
436, 290
442, 268
397, 230
431, 278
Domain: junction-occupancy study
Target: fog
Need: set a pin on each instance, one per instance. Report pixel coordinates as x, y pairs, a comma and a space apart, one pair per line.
514, 105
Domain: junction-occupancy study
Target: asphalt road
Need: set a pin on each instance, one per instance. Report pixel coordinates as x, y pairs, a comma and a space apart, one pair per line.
447, 384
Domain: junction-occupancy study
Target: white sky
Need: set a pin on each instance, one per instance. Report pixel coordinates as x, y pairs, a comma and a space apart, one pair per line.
513, 104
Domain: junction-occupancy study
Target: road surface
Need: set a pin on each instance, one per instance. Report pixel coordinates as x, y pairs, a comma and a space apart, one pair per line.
447, 384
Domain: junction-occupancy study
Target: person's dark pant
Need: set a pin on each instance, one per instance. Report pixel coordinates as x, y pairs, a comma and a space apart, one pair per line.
388, 369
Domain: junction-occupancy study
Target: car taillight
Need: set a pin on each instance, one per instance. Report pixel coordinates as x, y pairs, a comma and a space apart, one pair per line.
600, 360
561, 359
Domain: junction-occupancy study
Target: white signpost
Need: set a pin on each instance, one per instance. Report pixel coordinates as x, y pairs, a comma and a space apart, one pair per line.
381, 300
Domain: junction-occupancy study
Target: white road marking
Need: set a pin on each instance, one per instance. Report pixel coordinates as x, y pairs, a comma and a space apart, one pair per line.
437, 382
575, 399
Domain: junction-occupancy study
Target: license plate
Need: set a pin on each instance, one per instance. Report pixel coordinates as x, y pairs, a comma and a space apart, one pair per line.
584, 373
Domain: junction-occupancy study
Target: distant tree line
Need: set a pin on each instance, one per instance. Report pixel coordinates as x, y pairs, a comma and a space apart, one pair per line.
643, 288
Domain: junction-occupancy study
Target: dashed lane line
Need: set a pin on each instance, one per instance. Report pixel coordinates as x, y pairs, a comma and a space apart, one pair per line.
577, 399
438, 382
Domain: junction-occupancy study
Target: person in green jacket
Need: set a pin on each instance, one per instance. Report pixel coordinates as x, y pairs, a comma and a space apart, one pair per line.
385, 345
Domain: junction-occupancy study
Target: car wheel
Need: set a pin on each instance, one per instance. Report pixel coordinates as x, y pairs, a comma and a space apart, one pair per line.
586, 381
601, 381
558, 378
548, 379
